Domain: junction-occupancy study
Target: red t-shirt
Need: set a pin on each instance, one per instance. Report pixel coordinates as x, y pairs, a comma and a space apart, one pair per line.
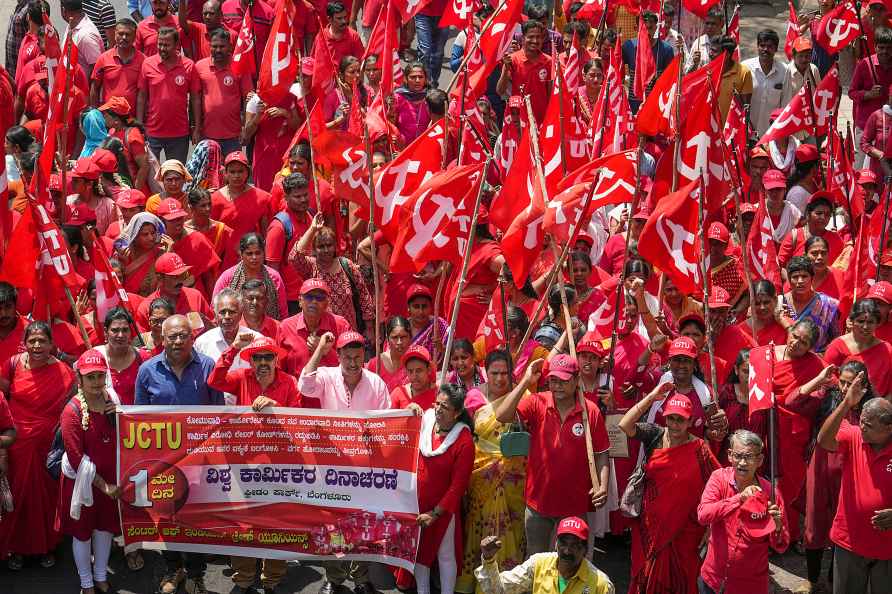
558, 481
277, 250
28, 51
349, 44
118, 79
189, 300
197, 43
243, 215
222, 95
243, 383
13, 344
167, 88
866, 487
262, 15
293, 336
147, 33
533, 76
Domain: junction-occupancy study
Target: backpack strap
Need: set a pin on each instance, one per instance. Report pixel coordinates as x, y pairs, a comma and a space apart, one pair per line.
283, 218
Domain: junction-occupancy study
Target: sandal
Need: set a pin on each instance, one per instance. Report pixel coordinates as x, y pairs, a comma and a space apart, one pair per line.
15, 562
48, 560
135, 562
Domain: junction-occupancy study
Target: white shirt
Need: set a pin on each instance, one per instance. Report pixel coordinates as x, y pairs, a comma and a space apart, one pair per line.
769, 90
796, 80
88, 40
212, 344
327, 384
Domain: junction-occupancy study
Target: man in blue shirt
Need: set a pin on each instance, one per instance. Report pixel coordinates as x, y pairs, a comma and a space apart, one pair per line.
662, 51
178, 377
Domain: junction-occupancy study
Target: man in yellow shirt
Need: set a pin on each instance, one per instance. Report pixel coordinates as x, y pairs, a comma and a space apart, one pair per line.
736, 77
563, 571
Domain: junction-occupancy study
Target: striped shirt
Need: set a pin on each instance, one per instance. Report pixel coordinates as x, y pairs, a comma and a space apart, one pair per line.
102, 13
15, 32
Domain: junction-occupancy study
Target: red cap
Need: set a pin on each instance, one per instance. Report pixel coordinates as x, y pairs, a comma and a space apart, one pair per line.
416, 351
719, 297
821, 194
774, 179
691, 316
261, 344
170, 209
563, 367
236, 157
748, 207
678, 404
171, 264
130, 198
81, 214
683, 347
515, 101
866, 176
91, 361
802, 44
315, 284
718, 232
591, 343
806, 153
585, 238
759, 153
754, 516
105, 160
349, 337
418, 290
118, 105
85, 168
881, 291
574, 526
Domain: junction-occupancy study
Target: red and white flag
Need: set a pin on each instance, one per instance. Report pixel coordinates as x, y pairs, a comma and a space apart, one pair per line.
699, 7
807, 112
110, 292
656, 114
459, 12
838, 28
384, 42
616, 179
409, 8
761, 380
280, 65
735, 135
243, 54
671, 238
645, 65
793, 32
734, 31
573, 68
494, 43
761, 249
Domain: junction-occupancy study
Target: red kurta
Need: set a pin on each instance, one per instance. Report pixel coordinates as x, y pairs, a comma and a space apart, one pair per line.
36, 399
877, 359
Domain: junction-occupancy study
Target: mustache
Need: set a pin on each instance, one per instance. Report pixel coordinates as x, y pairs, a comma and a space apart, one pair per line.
566, 556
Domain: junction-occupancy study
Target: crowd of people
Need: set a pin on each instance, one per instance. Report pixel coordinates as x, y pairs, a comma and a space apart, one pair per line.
244, 276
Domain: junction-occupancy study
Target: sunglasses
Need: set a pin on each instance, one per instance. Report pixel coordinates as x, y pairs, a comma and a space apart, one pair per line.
263, 358
315, 296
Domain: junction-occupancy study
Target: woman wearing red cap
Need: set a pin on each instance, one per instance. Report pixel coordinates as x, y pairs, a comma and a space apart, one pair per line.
37, 386
666, 536
418, 390
89, 436
390, 364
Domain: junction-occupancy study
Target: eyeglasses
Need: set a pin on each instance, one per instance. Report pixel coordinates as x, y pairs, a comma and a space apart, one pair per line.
745, 458
178, 337
315, 296
261, 358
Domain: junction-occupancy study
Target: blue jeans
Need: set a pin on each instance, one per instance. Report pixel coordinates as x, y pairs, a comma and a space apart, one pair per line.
174, 148
431, 44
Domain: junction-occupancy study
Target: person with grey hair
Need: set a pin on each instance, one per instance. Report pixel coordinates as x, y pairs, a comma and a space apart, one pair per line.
744, 521
861, 529
215, 342
178, 377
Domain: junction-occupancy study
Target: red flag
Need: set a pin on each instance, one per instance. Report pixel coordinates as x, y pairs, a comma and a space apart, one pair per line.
459, 12
761, 380
109, 291
7, 120
700, 7
280, 65
793, 32
601, 319
842, 178
565, 209
656, 114
491, 326
436, 220
409, 8
617, 177
573, 68
324, 69
517, 187
734, 31
838, 28
645, 66
243, 54
591, 10
671, 240
494, 43
761, 250
352, 180
522, 242
735, 137
805, 112
472, 151
554, 152
384, 42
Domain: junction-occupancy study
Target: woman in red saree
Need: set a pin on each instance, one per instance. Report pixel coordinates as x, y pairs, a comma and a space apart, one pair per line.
795, 364
482, 280
667, 535
861, 344
143, 236
764, 314
37, 386
389, 364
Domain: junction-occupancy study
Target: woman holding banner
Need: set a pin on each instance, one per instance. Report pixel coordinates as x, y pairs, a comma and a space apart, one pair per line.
37, 386
88, 467
444, 468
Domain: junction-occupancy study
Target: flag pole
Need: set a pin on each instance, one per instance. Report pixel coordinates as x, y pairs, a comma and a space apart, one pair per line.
744, 241
503, 279
883, 238
772, 448
303, 100
709, 338
374, 256
636, 199
435, 341
466, 259
62, 139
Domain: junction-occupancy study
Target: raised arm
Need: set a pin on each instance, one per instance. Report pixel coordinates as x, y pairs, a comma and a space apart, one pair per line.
827, 434
627, 423
508, 407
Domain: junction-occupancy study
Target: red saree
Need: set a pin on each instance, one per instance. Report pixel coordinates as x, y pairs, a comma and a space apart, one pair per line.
666, 537
139, 272
36, 400
473, 307
877, 359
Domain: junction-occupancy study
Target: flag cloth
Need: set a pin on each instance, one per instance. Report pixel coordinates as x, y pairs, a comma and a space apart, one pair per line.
793, 32
645, 66
243, 54
838, 28
280, 65
761, 380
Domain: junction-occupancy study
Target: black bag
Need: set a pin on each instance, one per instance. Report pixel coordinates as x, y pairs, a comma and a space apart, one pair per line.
633, 496
354, 290
57, 450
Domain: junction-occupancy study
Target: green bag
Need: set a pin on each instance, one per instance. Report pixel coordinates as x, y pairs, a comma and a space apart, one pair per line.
515, 441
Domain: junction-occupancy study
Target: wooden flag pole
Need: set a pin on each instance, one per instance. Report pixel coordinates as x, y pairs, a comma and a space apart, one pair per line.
467, 55
709, 346
374, 256
303, 101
